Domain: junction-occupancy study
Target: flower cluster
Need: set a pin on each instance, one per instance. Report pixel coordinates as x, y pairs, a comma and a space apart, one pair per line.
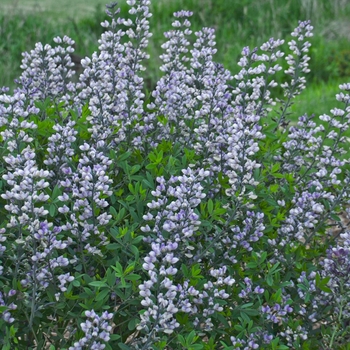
174, 224
198, 218
337, 266
111, 81
96, 329
37, 258
60, 149
47, 72
6, 315
253, 341
173, 240
88, 186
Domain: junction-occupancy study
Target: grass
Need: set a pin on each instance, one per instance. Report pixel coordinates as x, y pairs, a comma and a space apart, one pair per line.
57, 9
318, 98
238, 23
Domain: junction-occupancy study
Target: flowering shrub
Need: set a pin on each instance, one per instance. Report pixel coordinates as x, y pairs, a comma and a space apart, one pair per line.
198, 217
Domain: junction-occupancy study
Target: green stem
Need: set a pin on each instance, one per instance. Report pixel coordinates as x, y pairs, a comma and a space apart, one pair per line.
340, 315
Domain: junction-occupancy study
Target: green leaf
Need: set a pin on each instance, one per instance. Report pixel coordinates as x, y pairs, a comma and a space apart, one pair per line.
196, 347
3, 308
134, 215
318, 279
124, 346
111, 278
182, 340
113, 246
162, 119
252, 265
98, 284
277, 296
45, 127
132, 277
159, 156
262, 257
129, 269
151, 166
274, 268
275, 167
140, 208
223, 320
135, 169
252, 312
278, 176
210, 206
270, 136
56, 192
112, 154
245, 317
225, 346
148, 184
86, 307
133, 323
113, 212
267, 295
335, 217
219, 211
118, 268
190, 337
124, 156
274, 188
246, 306
134, 251
114, 336
185, 271
131, 188
269, 280
89, 292
150, 180
102, 295
52, 210
130, 199
322, 284
76, 283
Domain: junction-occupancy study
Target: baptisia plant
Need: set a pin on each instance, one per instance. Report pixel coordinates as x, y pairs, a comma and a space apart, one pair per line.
199, 216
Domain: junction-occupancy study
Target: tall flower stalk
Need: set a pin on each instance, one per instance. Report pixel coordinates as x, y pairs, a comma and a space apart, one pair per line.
198, 218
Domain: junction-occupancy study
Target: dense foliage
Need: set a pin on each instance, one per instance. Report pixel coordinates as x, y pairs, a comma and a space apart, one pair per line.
195, 218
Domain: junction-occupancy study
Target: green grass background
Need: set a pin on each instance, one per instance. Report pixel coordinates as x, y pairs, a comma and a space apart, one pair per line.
238, 23
58, 9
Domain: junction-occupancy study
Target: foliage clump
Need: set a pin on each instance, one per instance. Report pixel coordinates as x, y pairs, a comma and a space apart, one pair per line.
198, 217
